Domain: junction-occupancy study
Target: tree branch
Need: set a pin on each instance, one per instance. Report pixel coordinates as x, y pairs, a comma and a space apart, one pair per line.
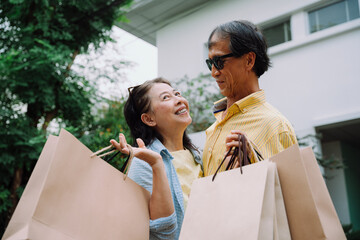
48, 117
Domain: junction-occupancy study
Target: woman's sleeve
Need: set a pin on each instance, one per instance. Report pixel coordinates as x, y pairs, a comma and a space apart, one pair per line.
161, 228
141, 173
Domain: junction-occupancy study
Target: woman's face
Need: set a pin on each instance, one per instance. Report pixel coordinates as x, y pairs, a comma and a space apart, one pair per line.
169, 110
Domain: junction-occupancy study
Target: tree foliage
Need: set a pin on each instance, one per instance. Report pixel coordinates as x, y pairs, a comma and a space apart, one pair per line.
108, 123
39, 40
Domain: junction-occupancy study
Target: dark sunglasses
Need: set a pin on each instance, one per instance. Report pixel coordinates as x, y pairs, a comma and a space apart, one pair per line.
217, 61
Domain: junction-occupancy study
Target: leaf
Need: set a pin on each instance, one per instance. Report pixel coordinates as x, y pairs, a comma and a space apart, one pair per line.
123, 18
44, 43
16, 1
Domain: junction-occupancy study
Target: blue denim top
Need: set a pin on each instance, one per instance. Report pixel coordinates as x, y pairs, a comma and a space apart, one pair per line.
141, 172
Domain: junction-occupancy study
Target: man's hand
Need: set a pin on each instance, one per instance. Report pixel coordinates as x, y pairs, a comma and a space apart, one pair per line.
232, 141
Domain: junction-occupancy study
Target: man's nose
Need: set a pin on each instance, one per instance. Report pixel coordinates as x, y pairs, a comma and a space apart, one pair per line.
214, 71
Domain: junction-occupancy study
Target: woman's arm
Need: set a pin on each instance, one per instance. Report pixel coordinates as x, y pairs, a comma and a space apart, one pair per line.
161, 228
161, 203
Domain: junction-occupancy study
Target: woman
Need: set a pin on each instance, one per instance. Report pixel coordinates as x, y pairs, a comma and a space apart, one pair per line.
158, 116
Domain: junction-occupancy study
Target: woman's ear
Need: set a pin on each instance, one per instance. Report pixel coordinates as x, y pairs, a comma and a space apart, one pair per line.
148, 119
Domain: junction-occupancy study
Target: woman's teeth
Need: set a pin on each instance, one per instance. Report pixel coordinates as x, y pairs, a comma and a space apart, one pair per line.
181, 111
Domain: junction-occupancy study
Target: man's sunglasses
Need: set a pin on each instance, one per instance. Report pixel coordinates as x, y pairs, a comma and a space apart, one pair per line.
217, 61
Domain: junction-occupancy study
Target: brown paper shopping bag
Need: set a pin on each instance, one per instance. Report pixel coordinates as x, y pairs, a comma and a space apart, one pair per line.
237, 206
310, 211
73, 196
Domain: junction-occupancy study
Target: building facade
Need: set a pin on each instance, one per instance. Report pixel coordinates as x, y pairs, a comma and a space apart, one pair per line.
315, 55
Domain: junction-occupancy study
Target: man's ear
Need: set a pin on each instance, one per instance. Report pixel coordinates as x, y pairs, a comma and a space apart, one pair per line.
250, 60
148, 120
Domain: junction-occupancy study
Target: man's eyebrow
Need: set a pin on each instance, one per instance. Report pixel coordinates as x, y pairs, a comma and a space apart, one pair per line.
211, 44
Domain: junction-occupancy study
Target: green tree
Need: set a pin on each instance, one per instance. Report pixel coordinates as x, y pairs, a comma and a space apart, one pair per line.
39, 41
108, 123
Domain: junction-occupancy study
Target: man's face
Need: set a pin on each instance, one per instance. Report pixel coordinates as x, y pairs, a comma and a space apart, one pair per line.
233, 76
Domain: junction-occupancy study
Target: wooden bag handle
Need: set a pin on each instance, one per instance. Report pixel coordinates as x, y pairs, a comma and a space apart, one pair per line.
112, 149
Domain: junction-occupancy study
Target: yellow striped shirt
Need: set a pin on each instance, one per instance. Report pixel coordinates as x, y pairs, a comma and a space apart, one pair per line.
262, 123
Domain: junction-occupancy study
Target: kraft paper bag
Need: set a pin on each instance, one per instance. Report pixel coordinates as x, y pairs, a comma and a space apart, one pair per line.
72, 196
237, 206
310, 211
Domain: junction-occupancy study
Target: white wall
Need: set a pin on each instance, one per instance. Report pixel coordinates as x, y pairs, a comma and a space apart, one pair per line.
318, 80
184, 39
314, 78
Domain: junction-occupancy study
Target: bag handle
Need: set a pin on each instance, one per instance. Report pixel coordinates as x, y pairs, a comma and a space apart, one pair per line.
241, 156
112, 149
255, 149
234, 154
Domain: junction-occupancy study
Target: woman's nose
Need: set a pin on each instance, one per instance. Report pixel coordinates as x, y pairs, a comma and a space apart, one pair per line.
180, 100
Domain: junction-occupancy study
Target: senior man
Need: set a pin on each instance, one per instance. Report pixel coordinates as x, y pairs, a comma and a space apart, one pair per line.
237, 58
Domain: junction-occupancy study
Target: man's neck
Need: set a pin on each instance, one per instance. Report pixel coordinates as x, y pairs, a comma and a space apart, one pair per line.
231, 101
245, 91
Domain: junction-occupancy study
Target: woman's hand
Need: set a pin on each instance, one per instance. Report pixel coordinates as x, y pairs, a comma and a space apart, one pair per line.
141, 152
161, 203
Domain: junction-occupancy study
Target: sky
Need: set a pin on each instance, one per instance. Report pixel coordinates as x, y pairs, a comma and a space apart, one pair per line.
141, 55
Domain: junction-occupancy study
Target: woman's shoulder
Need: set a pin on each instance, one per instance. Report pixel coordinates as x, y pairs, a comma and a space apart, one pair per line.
157, 146
197, 155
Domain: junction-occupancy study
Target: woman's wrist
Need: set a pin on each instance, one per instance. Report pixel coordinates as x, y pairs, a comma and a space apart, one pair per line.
158, 165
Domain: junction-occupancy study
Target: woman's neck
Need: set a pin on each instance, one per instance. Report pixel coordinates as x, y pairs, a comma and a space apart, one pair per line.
173, 142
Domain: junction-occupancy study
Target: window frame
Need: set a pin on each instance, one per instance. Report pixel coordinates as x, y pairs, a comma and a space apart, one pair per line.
324, 5
282, 21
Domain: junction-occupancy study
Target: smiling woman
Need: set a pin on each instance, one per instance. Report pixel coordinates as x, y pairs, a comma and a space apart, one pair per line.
166, 161
169, 113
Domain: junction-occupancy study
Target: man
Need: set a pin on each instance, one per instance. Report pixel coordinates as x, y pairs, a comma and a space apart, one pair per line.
237, 58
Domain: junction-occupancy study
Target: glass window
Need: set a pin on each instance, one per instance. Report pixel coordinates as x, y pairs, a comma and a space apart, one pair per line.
333, 14
277, 34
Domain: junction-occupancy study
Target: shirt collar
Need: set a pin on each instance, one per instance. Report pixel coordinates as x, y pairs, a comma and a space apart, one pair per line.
197, 156
158, 147
243, 104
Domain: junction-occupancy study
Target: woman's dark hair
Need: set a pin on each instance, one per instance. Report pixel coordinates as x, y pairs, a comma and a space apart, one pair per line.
245, 37
139, 103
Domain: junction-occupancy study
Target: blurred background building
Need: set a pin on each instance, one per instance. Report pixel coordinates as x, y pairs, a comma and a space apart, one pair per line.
314, 47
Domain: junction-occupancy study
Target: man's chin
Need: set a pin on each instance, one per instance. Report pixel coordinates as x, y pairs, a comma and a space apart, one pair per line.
224, 92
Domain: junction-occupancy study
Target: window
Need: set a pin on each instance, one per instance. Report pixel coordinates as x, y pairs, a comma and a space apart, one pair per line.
333, 14
277, 34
